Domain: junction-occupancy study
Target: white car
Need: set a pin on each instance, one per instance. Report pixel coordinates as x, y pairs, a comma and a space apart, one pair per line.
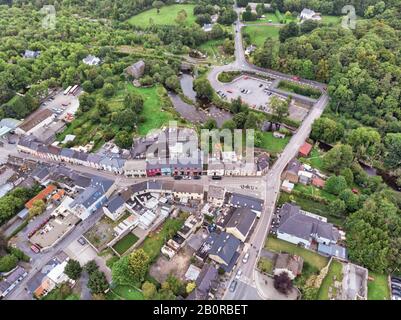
238, 275
245, 258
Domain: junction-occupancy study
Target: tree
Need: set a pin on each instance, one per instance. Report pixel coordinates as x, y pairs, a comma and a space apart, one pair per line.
149, 290
210, 124
121, 273
327, 130
228, 46
335, 184
108, 90
97, 282
138, 264
173, 83
236, 105
203, 89
336, 208
350, 199
288, 31
282, 283
91, 266
86, 101
88, 86
181, 17
279, 107
252, 121
165, 292
176, 285
229, 124
339, 157
190, 287
348, 175
102, 108
123, 139
126, 119
38, 207
134, 102
8, 262
392, 142
73, 269
365, 142
158, 5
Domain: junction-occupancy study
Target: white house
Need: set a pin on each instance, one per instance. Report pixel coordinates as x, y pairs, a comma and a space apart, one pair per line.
91, 60
308, 14
135, 168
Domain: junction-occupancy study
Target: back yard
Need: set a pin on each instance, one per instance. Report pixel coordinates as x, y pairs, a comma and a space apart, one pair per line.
125, 243
124, 293
314, 259
378, 288
334, 274
272, 144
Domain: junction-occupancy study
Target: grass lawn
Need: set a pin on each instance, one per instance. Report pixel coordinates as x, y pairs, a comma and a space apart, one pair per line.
272, 144
310, 257
125, 243
155, 240
265, 265
315, 159
331, 19
124, 293
214, 52
334, 270
154, 116
311, 206
166, 16
378, 288
258, 34
315, 191
298, 88
269, 18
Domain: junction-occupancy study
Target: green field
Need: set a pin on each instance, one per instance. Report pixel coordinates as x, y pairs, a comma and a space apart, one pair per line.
166, 16
310, 257
154, 116
265, 265
378, 288
272, 144
258, 34
214, 52
331, 19
124, 293
269, 18
315, 159
125, 243
334, 270
298, 88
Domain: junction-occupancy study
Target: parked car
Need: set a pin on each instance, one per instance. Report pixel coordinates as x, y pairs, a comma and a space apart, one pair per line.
245, 258
238, 274
35, 248
295, 78
217, 177
82, 241
177, 177
233, 286
197, 177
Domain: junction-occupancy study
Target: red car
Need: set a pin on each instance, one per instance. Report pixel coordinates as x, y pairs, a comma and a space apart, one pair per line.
35, 248
295, 78
246, 78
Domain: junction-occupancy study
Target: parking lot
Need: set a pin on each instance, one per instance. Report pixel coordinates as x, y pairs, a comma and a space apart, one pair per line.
256, 93
62, 104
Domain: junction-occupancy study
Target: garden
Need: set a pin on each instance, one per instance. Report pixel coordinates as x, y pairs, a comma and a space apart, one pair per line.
378, 288
125, 243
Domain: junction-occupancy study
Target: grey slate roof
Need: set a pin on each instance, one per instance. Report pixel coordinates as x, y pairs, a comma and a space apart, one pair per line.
240, 200
242, 219
94, 192
295, 223
223, 245
68, 153
206, 280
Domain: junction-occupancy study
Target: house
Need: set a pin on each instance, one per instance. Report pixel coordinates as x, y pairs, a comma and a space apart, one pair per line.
190, 225
91, 60
240, 223
136, 70
214, 18
318, 182
291, 264
250, 49
40, 118
135, 168
93, 161
185, 191
7, 125
308, 14
207, 27
8, 283
29, 54
232, 169
216, 195
291, 172
305, 177
305, 150
92, 197
112, 164
300, 227
206, 283
115, 207
262, 163
287, 186
244, 201
223, 249
43, 195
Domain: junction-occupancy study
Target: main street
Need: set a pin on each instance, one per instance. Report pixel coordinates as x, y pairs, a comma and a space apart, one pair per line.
248, 287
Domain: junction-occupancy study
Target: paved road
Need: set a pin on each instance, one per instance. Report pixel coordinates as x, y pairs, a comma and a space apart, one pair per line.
247, 283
